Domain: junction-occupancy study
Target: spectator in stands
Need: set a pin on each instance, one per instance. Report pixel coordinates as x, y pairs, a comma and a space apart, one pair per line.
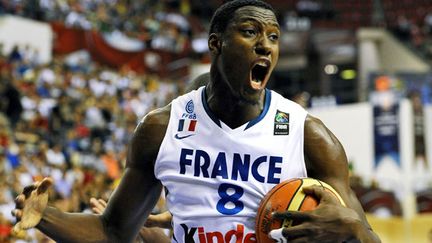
15, 55
5, 134
77, 18
403, 28
309, 8
55, 156
10, 102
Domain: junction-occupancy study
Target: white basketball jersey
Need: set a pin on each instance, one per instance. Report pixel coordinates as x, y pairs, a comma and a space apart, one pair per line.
215, 176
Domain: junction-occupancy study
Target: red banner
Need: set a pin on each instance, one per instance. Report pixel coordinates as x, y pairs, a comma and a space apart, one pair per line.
68, 40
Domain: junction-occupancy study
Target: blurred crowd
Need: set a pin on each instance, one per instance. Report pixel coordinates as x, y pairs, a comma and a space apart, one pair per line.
166, 25
415, 31
70, 122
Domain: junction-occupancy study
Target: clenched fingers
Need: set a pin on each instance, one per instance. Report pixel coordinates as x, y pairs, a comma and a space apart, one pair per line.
40, 187
44, 185
102, 202
292, 215
28, 190
17, 213
19, 201
98, 205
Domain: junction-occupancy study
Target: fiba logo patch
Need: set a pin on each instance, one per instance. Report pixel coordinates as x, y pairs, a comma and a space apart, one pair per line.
189, 107
188, 122
281, 123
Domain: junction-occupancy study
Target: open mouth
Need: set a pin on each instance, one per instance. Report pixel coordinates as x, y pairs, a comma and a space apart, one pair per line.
259, 73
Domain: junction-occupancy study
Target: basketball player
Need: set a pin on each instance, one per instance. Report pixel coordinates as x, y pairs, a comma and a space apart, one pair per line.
217, 151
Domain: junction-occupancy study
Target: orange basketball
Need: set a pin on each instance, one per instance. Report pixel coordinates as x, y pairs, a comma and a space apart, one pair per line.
286, 196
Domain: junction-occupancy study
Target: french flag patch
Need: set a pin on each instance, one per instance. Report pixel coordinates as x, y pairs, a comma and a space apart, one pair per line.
187, 125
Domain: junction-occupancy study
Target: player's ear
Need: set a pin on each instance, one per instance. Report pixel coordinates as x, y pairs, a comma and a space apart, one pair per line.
214, 43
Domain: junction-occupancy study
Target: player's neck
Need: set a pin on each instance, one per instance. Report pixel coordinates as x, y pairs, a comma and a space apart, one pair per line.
232, 110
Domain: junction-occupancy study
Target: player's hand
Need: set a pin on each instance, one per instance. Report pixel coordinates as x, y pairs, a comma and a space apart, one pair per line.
30, 204
162, 220
97, 205
329, 222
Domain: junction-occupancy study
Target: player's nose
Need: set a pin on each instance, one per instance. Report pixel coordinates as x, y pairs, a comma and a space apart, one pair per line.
262, 47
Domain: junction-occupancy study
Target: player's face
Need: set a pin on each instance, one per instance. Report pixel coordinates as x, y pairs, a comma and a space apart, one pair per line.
249, 51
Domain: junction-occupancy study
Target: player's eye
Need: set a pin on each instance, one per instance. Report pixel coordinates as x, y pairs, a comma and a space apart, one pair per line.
249, 32
274, 37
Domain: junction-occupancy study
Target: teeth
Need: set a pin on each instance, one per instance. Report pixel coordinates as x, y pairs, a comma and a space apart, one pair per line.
257, 81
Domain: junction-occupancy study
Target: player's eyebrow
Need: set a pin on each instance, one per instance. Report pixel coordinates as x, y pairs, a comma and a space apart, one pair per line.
251, 19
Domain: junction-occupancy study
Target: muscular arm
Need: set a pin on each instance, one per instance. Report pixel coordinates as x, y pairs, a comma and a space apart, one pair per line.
131, 202
326, 160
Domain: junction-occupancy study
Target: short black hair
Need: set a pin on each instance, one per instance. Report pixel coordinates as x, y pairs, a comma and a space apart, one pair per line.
225, 13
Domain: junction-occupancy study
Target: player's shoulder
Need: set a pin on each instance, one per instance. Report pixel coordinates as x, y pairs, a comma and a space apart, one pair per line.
314, 127
148, 137
159, 116
324, 154
313, 121
155, 122
318, 136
